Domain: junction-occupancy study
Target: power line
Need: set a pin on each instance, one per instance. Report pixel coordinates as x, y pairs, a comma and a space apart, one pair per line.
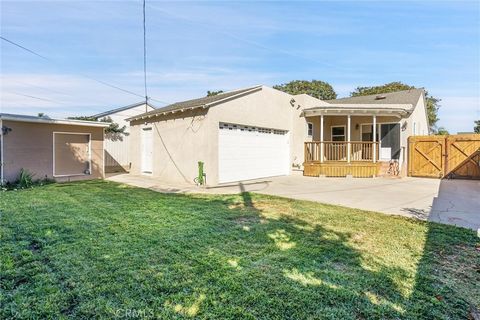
145, 55
247, 41
22, 47
81, 74
37, 98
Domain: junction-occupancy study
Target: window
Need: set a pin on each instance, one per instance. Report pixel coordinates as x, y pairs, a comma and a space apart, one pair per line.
309, 129
367, 132
338, 133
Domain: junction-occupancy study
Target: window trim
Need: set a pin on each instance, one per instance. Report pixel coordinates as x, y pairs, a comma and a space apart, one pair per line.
309, 134
344, 135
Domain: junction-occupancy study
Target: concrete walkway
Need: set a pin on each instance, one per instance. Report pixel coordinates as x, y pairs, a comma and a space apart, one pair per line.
454, 202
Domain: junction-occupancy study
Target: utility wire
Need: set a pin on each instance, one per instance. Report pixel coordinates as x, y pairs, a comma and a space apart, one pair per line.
81, 74
22, 47
37, 98
209, 26
145, 57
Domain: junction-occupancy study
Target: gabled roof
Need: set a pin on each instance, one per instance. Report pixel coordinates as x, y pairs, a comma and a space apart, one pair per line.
399, 97
106, 113
204, 102
36, 119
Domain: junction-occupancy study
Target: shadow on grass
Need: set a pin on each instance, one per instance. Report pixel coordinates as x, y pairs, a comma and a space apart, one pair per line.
448, 276
215, 257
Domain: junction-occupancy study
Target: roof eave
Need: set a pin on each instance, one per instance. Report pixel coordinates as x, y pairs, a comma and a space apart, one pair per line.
55, 121
203, 106
332, 111
109, 112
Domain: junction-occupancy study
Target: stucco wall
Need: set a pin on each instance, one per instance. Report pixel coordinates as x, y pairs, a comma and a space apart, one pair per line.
417, 124
183, 139
30, 146
117, 146
268, 108
120, 116
178, 144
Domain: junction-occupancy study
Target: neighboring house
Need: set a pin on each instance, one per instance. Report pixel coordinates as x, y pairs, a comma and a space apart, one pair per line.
117, 156
58, 149
261, 132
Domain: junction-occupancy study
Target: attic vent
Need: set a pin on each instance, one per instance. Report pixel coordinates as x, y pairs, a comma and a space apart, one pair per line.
380, 97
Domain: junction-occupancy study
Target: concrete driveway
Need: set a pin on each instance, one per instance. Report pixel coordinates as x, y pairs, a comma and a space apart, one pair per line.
454, 202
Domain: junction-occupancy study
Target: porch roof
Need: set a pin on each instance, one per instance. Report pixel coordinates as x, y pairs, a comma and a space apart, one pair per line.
399, 110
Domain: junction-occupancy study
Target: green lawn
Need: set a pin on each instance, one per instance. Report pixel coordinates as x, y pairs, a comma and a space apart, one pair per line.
103, 250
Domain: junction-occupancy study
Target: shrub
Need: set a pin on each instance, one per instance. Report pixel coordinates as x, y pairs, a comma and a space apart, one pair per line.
25, 181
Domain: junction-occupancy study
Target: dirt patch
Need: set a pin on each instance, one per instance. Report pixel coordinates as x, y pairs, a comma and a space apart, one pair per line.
35, 246
246, 220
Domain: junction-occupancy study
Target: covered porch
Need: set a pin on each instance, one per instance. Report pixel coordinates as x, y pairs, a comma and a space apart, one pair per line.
352, 141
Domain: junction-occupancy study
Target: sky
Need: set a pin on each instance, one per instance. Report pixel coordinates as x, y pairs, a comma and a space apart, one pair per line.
86, 47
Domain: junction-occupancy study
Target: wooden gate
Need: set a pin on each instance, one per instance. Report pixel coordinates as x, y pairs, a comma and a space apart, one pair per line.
455, 156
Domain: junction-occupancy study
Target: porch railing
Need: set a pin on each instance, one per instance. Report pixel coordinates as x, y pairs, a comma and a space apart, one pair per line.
339, 151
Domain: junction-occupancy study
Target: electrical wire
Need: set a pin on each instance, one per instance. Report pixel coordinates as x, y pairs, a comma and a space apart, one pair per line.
22, 47
81, 74
37, 98
145, 55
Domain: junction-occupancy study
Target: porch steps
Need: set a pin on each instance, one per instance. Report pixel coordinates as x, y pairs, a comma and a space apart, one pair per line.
383, 171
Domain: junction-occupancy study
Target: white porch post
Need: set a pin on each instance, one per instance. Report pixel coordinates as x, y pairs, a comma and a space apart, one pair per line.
321, 138
349, 146
374, 138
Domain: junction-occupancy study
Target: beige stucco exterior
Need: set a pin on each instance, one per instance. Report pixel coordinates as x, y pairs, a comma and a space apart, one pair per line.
30, 146
182, 139
117, 146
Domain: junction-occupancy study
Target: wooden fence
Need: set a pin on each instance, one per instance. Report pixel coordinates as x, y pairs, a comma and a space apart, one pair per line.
455, 156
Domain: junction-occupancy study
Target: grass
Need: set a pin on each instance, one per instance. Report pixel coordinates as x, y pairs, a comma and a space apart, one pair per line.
103, 250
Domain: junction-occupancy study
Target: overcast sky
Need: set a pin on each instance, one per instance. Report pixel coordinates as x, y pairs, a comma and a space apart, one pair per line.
198, 46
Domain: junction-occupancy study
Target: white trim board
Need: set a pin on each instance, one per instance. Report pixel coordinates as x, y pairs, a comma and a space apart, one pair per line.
344, 132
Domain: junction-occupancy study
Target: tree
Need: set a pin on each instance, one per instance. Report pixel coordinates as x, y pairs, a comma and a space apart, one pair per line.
213, 93
476, 129
441, 131
315, 88
432, 102
113, 128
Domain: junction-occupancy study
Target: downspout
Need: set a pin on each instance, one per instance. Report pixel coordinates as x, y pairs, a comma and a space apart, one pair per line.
1, 152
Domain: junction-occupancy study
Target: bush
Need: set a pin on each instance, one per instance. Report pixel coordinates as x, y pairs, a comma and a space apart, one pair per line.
25, 181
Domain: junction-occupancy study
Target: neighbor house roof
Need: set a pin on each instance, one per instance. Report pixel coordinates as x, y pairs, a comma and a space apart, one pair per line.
109, 112
44, 119
399, 97
204, 102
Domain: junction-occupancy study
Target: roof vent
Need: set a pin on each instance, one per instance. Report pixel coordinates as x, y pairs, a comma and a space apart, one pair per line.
380, 97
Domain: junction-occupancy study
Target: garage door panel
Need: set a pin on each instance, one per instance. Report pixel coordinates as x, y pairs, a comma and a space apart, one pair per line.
253, 154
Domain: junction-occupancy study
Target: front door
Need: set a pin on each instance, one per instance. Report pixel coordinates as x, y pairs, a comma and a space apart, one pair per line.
146, 150
389, 141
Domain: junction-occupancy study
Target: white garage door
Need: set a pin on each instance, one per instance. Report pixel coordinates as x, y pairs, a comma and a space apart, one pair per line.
247, 152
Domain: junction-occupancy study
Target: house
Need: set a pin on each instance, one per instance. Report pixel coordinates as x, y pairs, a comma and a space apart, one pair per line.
117, 156
363, 132
260, 132
64, 150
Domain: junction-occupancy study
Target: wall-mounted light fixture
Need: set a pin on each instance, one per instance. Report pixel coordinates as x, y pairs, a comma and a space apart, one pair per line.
357, 126
404, 126
5, 130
